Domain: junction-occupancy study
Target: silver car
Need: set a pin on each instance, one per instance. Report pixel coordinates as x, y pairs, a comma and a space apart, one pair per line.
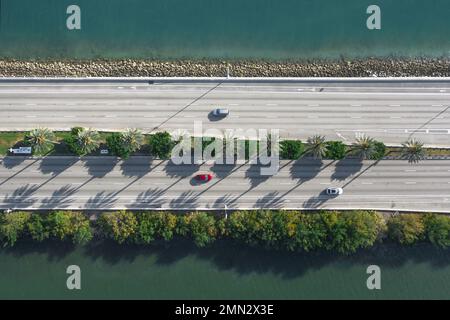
220, 112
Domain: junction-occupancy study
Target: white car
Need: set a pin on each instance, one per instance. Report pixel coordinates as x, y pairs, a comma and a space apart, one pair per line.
334, 191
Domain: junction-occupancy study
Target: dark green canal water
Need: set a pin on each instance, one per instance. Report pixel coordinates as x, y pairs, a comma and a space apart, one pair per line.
232, 29
224, 271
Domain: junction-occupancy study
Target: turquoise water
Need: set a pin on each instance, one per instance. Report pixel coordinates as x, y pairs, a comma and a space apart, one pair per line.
224, 271
228, 29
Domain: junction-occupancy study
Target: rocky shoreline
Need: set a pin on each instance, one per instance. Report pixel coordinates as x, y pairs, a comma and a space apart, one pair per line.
392, 67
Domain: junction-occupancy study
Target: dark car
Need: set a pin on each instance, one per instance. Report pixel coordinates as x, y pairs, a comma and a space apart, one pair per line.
220, 112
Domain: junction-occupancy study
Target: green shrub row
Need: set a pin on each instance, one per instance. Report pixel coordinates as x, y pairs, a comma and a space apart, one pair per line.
62, 225
343, 232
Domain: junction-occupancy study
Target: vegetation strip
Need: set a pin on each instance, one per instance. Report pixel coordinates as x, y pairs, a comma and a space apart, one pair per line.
342, 232
82, 141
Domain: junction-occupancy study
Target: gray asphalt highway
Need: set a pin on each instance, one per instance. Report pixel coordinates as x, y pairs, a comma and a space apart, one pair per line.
138, 183
391, 112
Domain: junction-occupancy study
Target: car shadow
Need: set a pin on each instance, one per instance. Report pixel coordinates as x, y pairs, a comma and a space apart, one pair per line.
195, 182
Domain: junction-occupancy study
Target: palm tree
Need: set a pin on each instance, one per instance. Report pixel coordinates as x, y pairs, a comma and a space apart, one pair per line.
413, 150
316, 146
41, 140
364, 147
133, 139
88, 140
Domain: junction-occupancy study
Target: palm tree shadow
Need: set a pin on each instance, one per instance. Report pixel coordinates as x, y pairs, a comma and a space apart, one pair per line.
151, 198
101, 200
136, 166
58, 199
187, 200
227, 200
22, 196
306, 169
55, 165
270, 200
180, 171
346, 168
222, 171
11, 162
317, 201
98, 167
253, 174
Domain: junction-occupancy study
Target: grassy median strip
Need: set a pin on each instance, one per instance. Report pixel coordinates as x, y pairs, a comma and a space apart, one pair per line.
9, 139
82, 142
342, 232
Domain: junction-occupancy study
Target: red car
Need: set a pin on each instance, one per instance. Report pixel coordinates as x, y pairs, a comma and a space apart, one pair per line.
204, 177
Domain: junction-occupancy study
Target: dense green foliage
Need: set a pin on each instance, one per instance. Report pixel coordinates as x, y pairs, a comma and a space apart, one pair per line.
154, 226
82, 141
13, 227
69, 225
117, 145
297, 231
336, 150
343, 232
406, 229
199, 226
63, 225
124, 143
161, 144
120, 226
37, 228
291, 149
437, 229
380, 150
